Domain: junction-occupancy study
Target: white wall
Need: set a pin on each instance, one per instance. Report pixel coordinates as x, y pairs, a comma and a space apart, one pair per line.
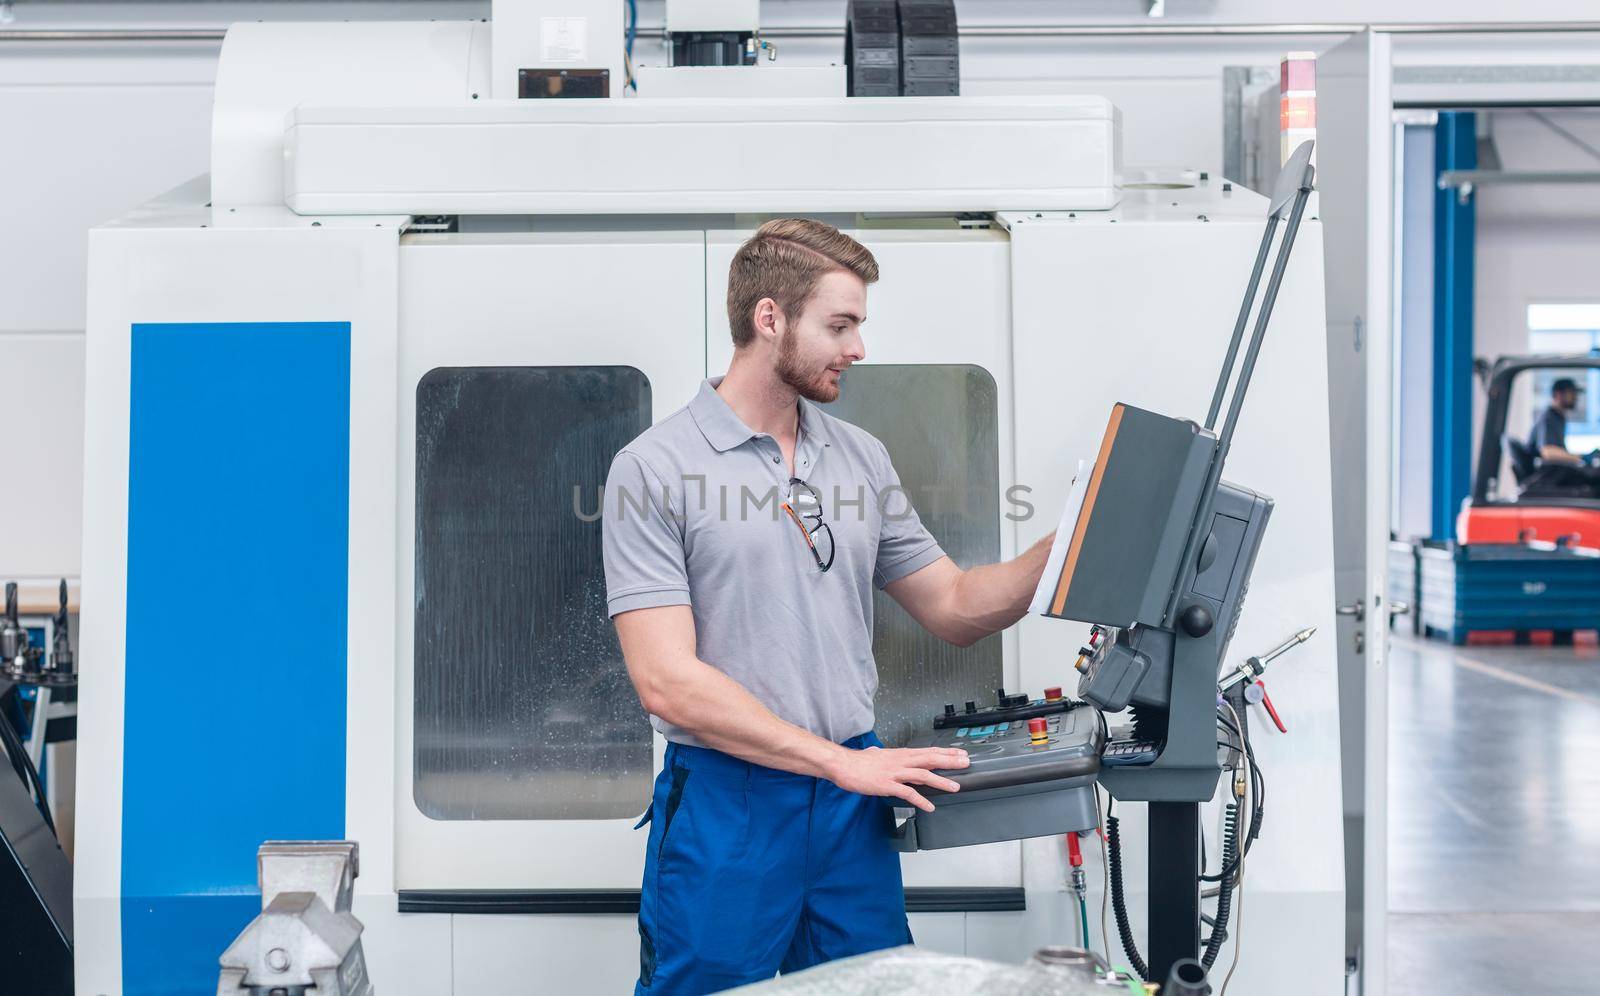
89, 133
1536, 244
92, 130
1530, 263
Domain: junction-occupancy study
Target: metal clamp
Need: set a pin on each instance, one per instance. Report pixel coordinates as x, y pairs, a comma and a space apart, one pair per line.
305, 936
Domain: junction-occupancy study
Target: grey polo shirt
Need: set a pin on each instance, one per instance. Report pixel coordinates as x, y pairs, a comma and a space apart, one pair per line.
691, 517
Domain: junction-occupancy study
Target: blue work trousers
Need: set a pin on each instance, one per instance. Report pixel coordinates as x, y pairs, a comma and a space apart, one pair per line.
752, 871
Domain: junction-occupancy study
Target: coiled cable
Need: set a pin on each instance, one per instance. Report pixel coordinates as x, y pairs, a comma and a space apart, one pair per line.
1230, 852
1119, 906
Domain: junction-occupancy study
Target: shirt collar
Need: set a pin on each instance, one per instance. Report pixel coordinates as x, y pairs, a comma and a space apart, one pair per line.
722, 428
725, 430
812, 426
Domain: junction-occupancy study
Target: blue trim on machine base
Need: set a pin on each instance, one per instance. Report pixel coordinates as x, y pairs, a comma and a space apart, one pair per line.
170, 944
237, 577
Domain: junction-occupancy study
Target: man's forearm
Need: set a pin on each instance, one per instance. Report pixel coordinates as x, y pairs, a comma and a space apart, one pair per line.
987, 599
723, 715
658, 645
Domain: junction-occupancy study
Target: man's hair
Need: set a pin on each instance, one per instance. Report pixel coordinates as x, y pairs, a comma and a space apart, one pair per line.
785, 260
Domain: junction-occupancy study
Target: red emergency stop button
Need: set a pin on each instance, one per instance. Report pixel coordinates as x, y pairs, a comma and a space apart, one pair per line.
1039, 730
1052, 694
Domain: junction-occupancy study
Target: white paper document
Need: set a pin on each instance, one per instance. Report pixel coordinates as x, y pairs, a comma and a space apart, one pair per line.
1045, 593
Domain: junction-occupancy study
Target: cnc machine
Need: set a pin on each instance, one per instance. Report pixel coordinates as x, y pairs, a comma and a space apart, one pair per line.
353, 393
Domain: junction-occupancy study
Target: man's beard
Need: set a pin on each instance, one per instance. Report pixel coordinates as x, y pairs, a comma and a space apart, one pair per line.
816, 388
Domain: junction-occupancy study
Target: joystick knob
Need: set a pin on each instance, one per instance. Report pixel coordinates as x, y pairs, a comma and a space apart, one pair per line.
1196, 620
972, 706
949, 709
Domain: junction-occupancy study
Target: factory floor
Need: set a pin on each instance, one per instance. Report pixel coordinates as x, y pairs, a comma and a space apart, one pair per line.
1494, 818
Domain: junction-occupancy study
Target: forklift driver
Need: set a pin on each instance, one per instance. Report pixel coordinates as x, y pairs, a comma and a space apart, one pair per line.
1549, 438
1559, 467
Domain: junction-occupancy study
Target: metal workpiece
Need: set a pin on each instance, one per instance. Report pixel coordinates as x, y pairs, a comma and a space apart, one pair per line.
1072, 962
305, 937
1081, 966
1051, 972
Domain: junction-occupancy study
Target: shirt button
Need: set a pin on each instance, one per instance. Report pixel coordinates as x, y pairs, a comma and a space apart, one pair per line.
774, 459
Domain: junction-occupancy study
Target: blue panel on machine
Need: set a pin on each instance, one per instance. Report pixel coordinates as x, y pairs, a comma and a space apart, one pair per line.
238, 528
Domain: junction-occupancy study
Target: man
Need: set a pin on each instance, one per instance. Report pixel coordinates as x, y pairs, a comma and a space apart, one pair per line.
742, 536
1549, 438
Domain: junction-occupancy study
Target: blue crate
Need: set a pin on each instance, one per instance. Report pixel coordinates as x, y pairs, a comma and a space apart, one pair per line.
1486, 586
1405, 579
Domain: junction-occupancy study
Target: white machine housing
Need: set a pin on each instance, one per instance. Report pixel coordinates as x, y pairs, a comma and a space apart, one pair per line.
599, 234
713, 15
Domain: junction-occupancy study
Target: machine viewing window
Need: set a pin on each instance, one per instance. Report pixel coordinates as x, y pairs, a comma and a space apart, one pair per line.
940, 423
523, 709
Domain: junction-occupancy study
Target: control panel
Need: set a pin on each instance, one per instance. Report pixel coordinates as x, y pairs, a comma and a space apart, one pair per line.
1032, 771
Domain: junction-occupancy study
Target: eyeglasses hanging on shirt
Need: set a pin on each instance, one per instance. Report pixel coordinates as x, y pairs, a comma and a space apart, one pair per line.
804, 506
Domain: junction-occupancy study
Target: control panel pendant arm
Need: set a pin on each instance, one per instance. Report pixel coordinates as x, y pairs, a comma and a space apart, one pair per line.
1291, 193
1243, 320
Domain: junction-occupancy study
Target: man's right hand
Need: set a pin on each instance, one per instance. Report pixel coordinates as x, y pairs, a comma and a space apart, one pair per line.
893, 772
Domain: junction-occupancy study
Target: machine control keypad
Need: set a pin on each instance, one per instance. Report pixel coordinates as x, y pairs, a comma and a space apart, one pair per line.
1031, 773
1018, 735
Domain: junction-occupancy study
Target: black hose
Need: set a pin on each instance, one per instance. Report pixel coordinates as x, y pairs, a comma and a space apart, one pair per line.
1258, 803
1230, 852
1118, 905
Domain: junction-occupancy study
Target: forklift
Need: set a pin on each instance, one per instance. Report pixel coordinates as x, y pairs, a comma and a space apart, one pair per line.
1563, 510
1526, 559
